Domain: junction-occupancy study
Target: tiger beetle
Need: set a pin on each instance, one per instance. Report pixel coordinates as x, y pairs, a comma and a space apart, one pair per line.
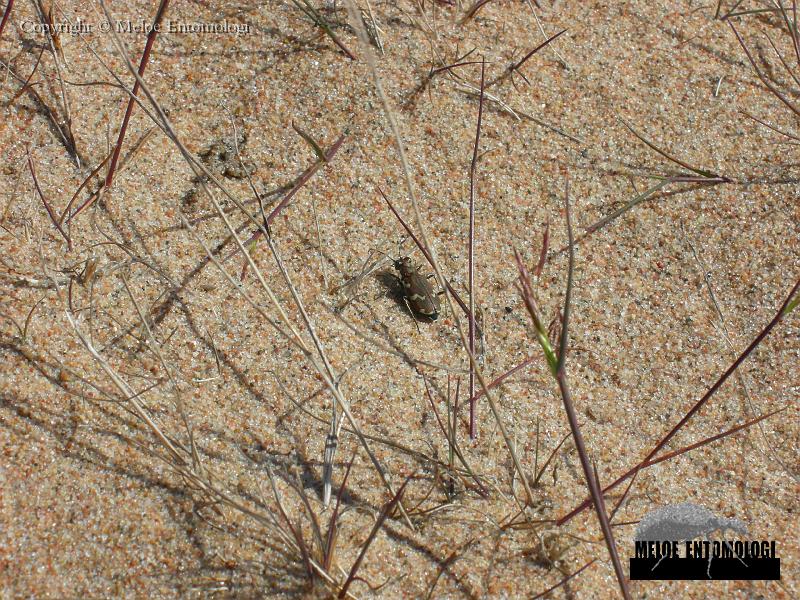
417, 291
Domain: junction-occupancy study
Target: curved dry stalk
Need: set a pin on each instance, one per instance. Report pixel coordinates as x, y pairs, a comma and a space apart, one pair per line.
705, 174
47, 206
774, 90
54, 42
295, 335
192, 472
127, 392
476, 6
155, 347
362, 36
333, 436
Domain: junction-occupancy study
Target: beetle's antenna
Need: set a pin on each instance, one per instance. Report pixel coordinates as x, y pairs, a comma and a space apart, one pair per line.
376, 251
354, 282
402, 241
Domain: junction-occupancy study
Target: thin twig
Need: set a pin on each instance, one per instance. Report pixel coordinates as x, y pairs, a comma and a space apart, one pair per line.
544, 33
6, 14
775, 91
352, 10
81, 186
44, 201
151, 38
779, 315
564, 581
301, 181
561, 377
543, 252
472, 11
295, 338
453, 447
312, 13
497, 381
514, 67
471, 256
427, 255
371, 537
671, 158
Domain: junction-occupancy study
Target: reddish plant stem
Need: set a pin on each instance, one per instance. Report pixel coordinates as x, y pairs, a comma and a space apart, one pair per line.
698, 405
378, 524
307, 174
505, 376
46, 204
517, 65
451, 67
80, 188
479, 4
543, 254
6, 14
301, 181
708, 440
563, 581
589, 473
425, 252
151, 38
471, 258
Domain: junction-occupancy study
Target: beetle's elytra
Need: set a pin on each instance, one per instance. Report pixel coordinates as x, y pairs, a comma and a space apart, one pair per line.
417, 290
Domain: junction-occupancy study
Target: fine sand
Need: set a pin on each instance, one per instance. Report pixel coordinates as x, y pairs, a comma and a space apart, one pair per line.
163, 424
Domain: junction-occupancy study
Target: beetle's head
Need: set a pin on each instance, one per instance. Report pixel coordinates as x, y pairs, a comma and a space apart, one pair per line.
402, 263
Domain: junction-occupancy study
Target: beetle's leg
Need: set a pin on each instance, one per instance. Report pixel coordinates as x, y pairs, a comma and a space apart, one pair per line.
413, 315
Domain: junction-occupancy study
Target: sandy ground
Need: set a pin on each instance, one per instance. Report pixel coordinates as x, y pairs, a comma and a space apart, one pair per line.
665, 297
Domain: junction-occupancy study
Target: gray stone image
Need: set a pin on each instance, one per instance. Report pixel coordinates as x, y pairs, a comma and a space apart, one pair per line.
683, 522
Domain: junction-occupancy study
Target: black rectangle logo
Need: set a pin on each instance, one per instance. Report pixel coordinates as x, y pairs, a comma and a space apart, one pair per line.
698, 569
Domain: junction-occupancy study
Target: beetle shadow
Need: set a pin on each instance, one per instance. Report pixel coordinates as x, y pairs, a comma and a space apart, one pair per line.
393, 288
